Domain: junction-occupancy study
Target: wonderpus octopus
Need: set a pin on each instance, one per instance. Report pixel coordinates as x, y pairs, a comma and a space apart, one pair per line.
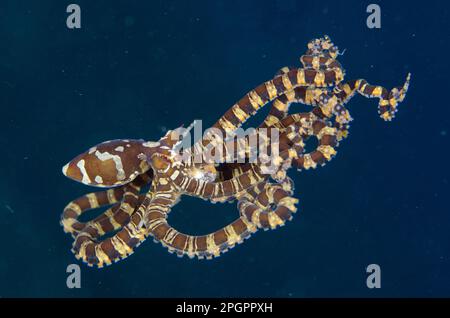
264, 196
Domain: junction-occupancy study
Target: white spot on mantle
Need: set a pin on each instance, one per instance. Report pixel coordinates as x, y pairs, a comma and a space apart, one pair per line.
151, 144
85, 179
98, 179
64, 169
103, 156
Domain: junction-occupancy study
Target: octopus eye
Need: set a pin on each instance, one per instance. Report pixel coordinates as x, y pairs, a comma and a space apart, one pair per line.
160, 162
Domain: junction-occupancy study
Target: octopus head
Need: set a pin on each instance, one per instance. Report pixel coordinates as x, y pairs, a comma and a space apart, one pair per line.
160, 163
111, 163
160, 155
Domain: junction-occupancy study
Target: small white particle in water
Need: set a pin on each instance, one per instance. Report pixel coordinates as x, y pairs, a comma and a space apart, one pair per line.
443, 133
10, 209
84, 174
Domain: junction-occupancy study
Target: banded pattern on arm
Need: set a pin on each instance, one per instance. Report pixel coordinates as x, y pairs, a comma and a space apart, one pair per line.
217, 191
251, 174
266, 92
94, 200
320, 56
387, 106
260, 211
127, 220
200, 246
312, 127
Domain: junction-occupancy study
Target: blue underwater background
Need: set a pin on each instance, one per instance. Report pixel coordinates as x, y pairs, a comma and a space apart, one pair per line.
137, 68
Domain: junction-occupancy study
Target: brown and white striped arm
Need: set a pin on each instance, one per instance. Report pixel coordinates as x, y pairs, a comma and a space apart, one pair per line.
70, 216
201, 246
91, 249
271, 208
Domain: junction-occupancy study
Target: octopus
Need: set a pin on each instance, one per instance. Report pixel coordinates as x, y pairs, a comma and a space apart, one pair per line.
143, 180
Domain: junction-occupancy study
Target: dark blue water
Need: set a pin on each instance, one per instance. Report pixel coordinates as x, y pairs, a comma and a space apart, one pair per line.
134, 70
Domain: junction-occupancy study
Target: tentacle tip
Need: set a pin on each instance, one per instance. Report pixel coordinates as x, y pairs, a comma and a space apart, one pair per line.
408, 77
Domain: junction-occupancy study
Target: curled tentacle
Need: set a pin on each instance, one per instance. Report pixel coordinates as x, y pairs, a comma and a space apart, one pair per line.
387, 106
323, 47
93, 251
74, 209
302, 126
271, 208
325, 151
200, 246
88, 244
272, 89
